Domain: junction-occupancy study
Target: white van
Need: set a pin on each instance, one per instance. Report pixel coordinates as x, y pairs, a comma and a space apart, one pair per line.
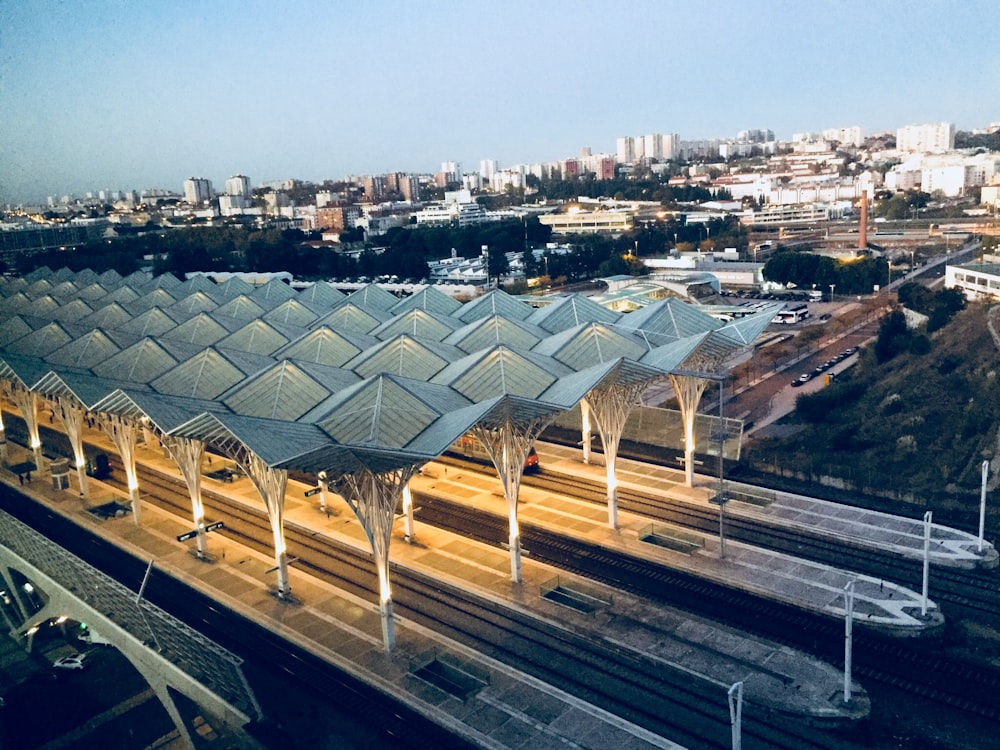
93, 638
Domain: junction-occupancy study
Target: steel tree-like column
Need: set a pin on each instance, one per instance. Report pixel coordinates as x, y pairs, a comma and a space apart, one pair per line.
611, 407
70, 413
124, 433
4, 392
373, 497
188, 455
271, 484
508, 444
585, 429
27, 403
688, 390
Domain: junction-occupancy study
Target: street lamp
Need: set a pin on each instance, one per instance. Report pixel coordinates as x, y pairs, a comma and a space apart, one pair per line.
832, 287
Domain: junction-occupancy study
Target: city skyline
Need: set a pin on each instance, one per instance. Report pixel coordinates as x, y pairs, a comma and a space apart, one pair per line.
110, 95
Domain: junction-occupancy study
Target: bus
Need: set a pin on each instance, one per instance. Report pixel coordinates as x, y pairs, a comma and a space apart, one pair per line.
792, 314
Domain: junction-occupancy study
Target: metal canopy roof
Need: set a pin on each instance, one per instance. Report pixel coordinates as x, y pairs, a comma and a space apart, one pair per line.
495, 302
591, 343
430, 299
490, 361
569, 312
326, 346
404, 355
373, 297
90, 349
418, 323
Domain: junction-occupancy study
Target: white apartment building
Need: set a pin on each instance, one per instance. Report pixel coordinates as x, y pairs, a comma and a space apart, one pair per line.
238, 185
625, 150
934, 137
977, 281
852, 136
197, 190
950, 175
488, 168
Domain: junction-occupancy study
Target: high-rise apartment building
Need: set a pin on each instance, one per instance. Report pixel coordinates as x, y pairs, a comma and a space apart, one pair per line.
852, 136
488, 168
239, 185
938, 136
625, 150
197, 190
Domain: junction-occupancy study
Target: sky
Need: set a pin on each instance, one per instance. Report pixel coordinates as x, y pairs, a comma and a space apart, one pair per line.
130, 94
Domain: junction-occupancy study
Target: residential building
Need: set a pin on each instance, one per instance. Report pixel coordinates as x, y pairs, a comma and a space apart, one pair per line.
935, 137
197, 190
239, 185
977, 281
625, 150
852, 136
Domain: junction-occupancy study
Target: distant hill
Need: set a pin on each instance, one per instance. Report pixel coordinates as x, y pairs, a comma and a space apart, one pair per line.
915, 428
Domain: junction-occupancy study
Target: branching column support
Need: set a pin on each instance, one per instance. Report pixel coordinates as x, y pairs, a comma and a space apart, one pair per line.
611, 407
124, 433
585, 429
70, 413
688, 390
271, 484
508, 444
4, 393
373, 498
27, 404
188, 454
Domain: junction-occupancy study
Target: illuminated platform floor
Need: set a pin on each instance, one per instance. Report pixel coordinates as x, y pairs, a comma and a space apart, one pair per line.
858, 526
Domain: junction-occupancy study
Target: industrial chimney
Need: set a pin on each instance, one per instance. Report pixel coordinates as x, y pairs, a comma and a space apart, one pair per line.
863, 229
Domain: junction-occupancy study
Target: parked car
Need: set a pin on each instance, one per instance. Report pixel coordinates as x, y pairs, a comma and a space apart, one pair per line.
94, 638
72, 662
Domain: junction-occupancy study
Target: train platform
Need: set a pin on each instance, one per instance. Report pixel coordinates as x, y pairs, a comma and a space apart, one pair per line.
880, 605
859, 527
505, 708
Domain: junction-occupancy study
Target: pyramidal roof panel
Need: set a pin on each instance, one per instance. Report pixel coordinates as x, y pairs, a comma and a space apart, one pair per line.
195, 302
156, 298
404, 355
24, 370
430, 299
93, 292
164, 281
72, 311
19, 302
272, 294
123, 294
234, 286
668, 320
44, 306
569, 312
285, 391
65, 290
240, 307
348, 316
42, 272
142, 362
205, 375
744, 331
326, 346
85, 277
672, 356
320, 296
483, 333
590, 344
198, 282
88, 389
90, 349
419, 323
110, 279
110, 315
373, 297
39, 287
137, 280
257, 336
291, 312
42, 341
495, 302
152, 322
165, 411
501, 371
13, 328
386, 411
63, 274
203, 329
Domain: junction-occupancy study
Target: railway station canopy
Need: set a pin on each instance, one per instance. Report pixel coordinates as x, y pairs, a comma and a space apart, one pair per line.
317, 380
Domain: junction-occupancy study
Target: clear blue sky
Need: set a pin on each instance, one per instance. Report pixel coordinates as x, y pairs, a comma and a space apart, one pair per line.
114, 94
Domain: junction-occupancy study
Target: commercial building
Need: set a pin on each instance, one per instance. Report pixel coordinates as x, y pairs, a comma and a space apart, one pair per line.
977, 281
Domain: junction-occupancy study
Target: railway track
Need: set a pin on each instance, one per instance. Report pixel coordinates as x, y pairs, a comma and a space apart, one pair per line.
966, 593
904, 664
627, 683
